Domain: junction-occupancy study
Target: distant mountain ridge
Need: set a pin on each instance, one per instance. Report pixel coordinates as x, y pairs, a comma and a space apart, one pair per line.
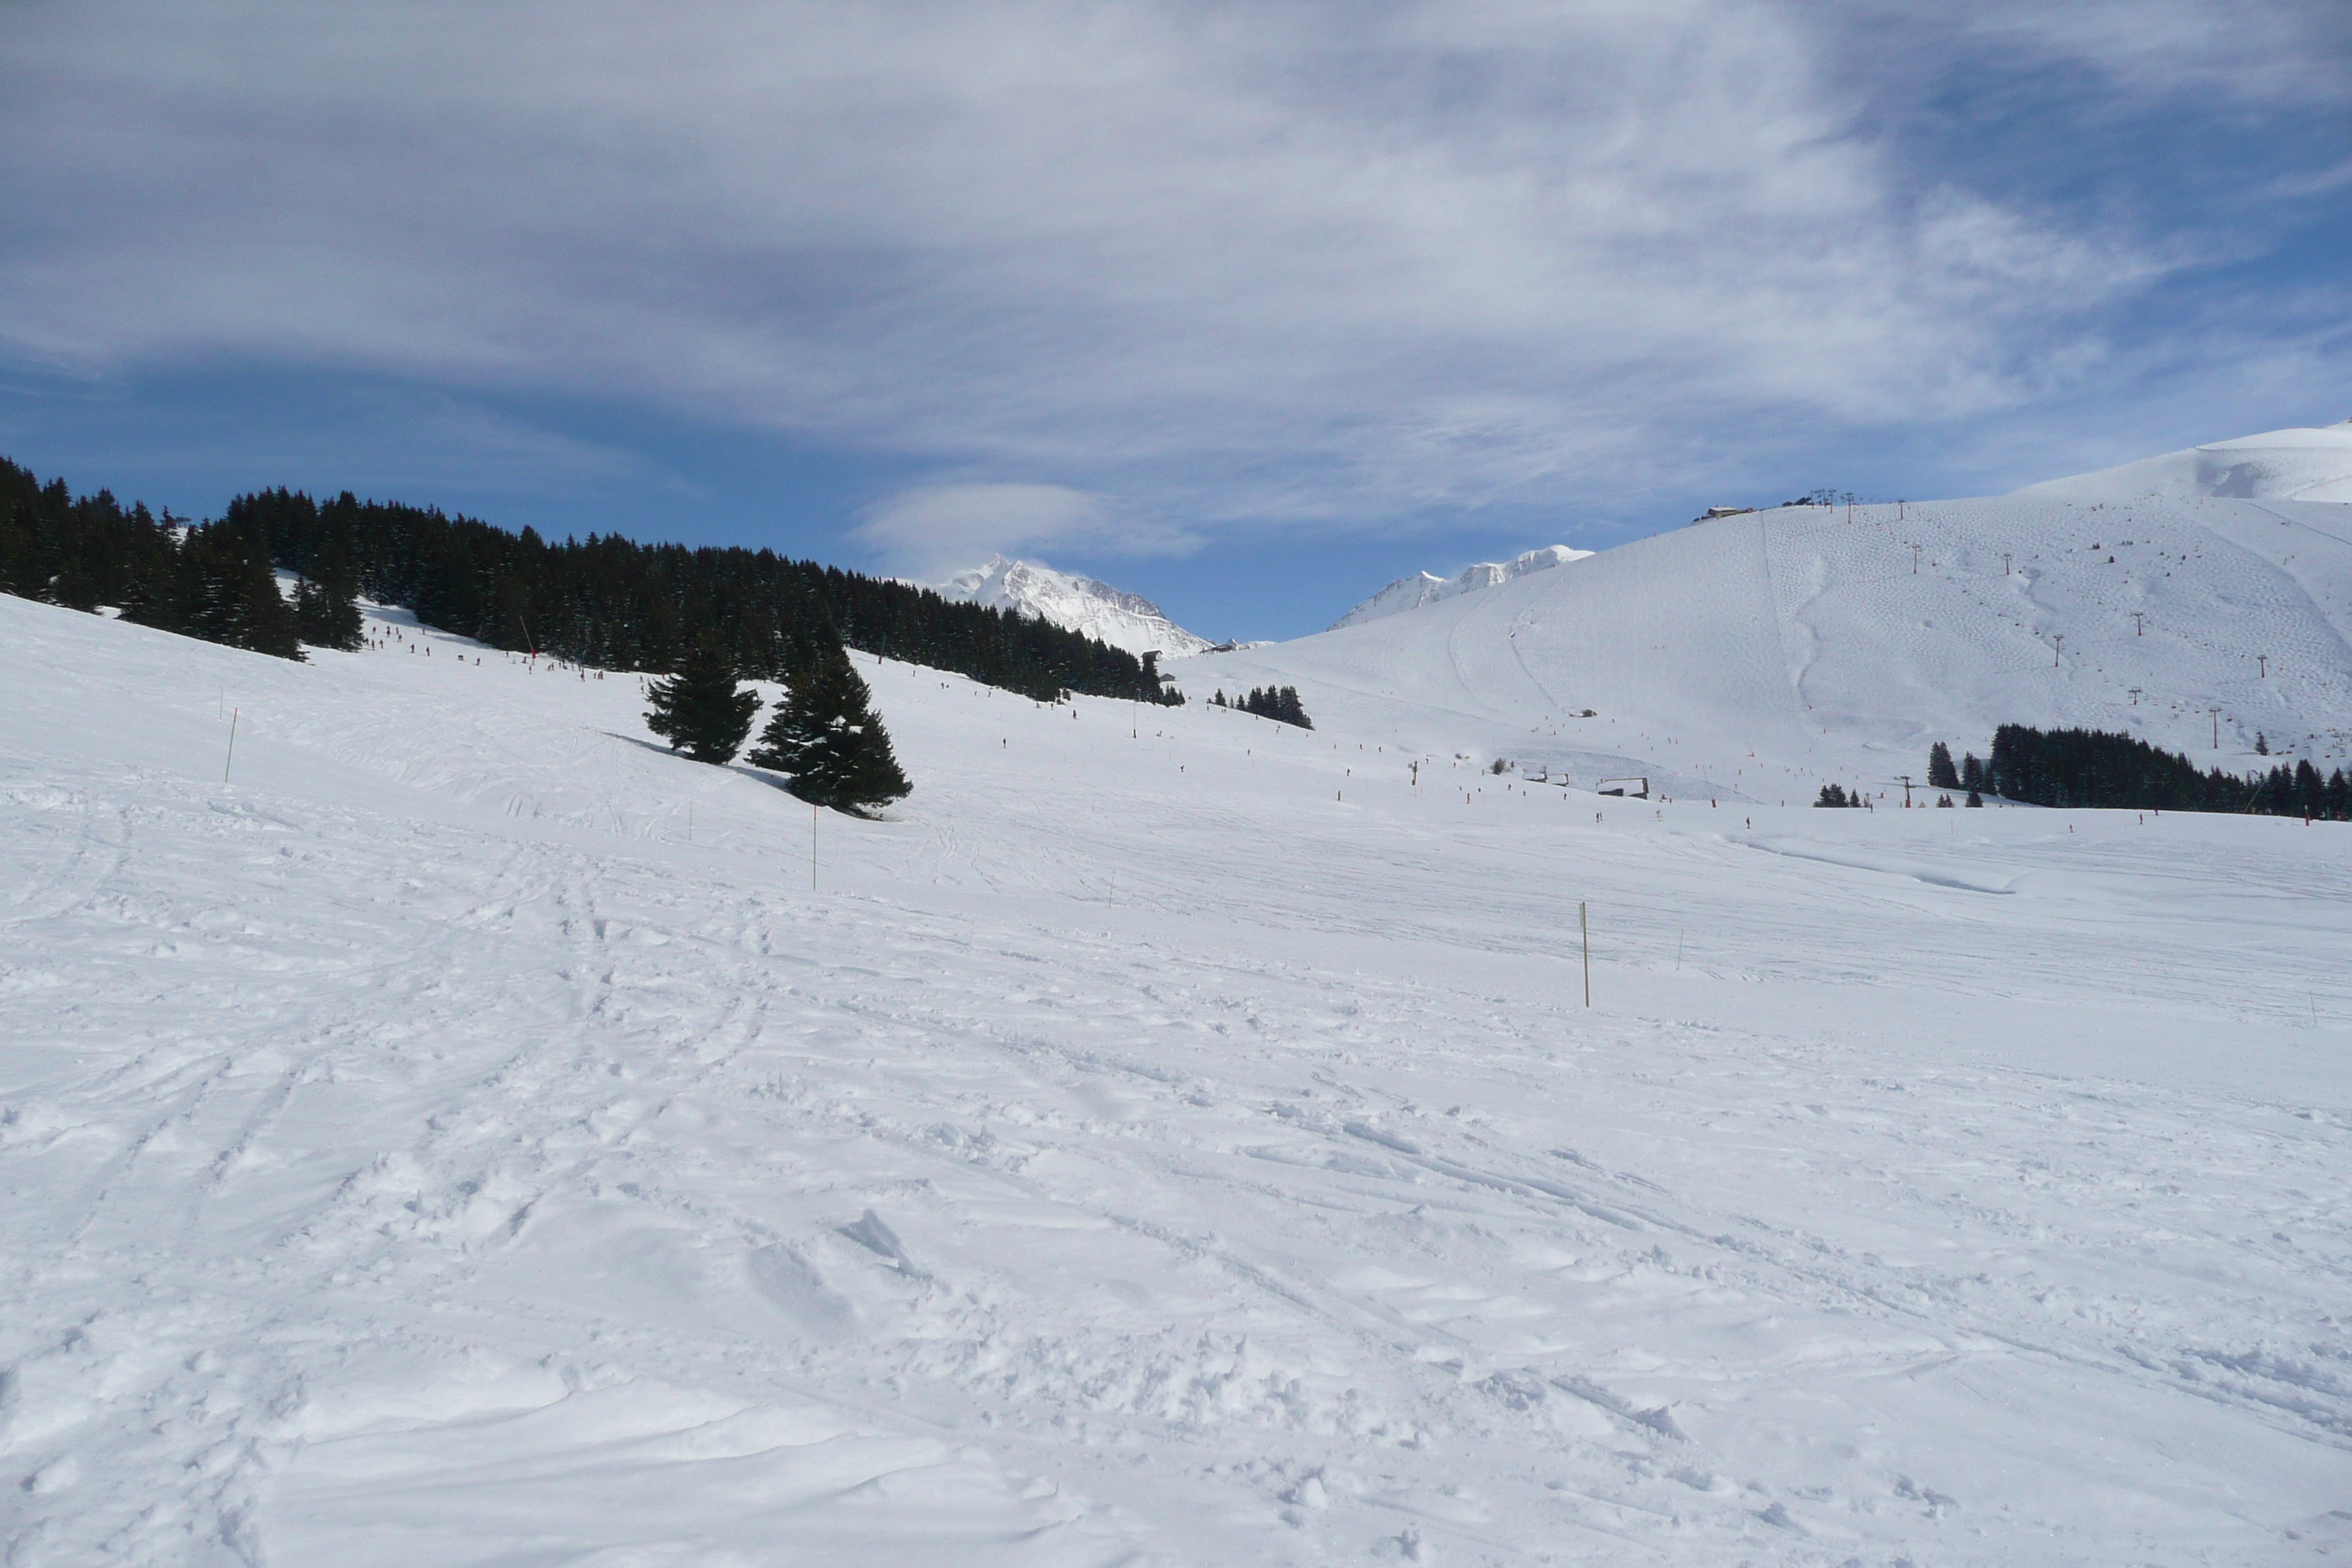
1109, 615
1428, 588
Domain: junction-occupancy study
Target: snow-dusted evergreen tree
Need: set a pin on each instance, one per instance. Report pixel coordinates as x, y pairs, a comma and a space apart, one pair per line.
701, 710
825, 738
1941, 775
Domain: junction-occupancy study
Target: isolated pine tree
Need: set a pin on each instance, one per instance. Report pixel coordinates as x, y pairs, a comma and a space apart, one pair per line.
700, 710
1975, 799
825, 738
1941, 775
1832, 795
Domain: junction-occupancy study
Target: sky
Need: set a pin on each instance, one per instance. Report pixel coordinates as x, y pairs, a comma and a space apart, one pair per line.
1250, 309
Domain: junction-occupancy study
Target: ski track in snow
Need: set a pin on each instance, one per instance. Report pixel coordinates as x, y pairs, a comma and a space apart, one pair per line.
1169, 1139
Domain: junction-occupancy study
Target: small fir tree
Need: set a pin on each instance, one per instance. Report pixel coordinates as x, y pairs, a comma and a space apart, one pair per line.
825, 738
1971, 773
1941, 775
701, 710
1975, 798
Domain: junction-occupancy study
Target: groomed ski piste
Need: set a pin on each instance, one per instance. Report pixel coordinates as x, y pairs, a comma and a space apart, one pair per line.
472, 1135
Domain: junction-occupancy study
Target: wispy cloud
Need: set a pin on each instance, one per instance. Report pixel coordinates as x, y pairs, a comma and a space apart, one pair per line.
1325, 262
930, 530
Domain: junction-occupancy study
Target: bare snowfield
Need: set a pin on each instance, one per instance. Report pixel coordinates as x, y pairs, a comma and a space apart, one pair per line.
466, 1138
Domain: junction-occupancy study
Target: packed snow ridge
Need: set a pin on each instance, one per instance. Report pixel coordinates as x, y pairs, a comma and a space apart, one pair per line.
1428, 588
1107, 615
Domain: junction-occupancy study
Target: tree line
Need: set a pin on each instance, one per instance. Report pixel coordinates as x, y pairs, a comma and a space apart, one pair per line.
605, 601
1280, 704
210, 581
2105, 768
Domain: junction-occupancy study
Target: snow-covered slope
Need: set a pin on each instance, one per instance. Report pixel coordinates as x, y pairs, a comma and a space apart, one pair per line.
1428, 588
1080, 604
1755, 657
2281, 465
466, 1137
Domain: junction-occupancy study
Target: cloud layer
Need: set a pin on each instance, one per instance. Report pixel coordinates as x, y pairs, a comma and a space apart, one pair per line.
1291, 262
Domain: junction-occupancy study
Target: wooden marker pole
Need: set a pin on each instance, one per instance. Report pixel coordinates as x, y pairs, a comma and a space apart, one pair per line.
813, 816
231, 758
1584, 929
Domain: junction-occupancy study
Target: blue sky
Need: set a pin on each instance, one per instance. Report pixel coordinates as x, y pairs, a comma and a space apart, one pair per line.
1250, 309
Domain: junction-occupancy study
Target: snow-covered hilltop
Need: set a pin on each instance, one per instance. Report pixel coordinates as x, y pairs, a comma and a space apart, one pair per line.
1766, 653
1080, 604
1428, 588
2279, 465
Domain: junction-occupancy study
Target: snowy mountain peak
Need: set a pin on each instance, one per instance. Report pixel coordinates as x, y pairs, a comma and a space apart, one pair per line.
1079, 603
1426, 587
2278, 465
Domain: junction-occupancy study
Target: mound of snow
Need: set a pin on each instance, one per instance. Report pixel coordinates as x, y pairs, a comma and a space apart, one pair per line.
2281, 465
1428, 588
1079, 603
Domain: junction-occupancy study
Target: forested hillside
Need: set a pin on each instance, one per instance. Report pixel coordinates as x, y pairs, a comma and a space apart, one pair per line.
606, 600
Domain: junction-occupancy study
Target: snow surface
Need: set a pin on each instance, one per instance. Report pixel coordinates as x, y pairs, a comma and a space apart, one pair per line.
1079, 603
1427, 587
465, 1138
1754, 658
2281, 465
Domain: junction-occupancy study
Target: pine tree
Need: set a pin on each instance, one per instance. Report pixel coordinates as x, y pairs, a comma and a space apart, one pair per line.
324, 618
1971, 773
1940, 772
825, 738
326, 610
1975, 798
231, 595
700, 710
1832, 795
